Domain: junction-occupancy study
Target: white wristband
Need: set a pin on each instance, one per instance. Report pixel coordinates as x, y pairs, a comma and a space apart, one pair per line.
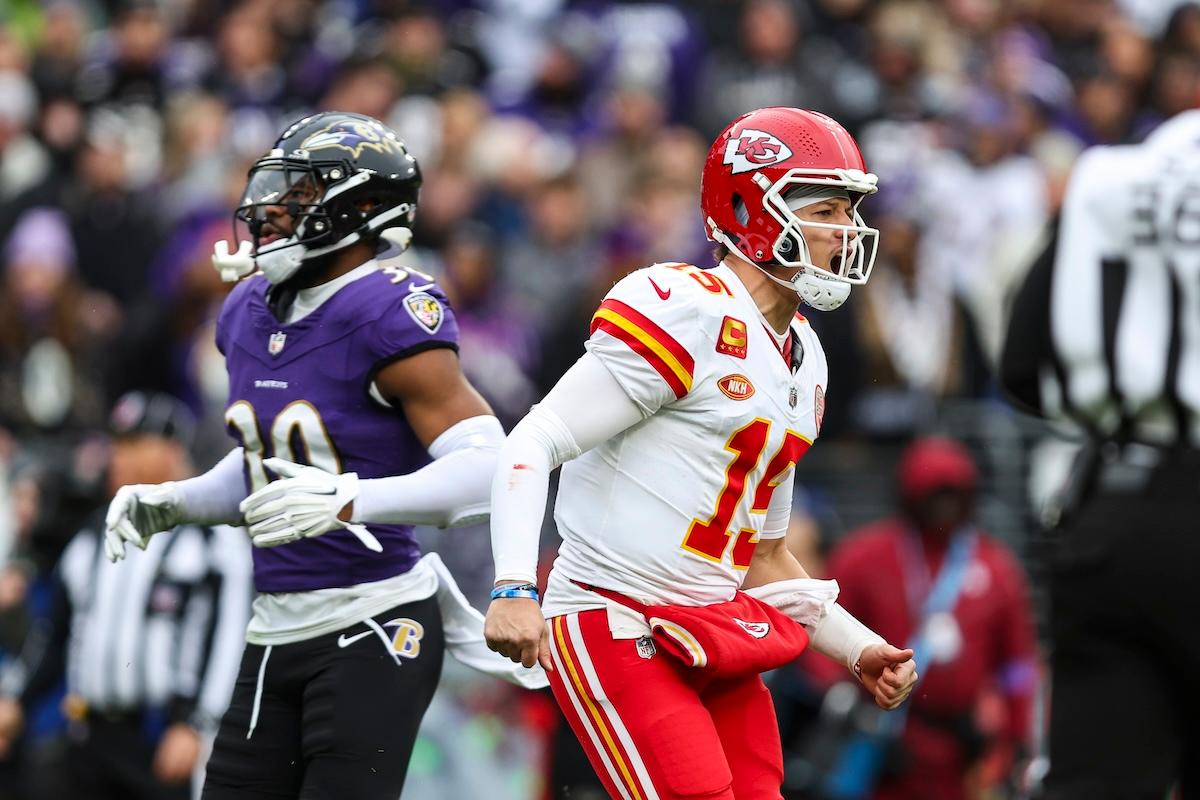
842, 637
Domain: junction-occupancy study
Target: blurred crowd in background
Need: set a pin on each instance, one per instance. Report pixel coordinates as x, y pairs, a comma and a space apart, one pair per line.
561, 144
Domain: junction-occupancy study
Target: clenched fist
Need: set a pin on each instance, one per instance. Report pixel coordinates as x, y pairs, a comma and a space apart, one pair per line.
889, 674
515, 628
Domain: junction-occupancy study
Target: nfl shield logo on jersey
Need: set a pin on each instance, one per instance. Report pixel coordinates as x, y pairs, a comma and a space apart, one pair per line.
275, 346
646, 648
425, 310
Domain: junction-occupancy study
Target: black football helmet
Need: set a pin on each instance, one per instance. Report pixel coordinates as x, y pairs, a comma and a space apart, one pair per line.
343, 178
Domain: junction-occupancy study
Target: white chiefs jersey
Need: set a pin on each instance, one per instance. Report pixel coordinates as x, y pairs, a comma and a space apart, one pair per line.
670, 510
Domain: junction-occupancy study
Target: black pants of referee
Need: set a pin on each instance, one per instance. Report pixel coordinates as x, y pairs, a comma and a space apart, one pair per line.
1125, 606
337, 714
112, 757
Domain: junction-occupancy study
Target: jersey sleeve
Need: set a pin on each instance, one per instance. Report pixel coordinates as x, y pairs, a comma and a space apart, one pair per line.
647, 332
416, 320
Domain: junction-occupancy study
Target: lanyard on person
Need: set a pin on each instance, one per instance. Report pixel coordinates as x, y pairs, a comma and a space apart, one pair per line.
857, 766
943, 596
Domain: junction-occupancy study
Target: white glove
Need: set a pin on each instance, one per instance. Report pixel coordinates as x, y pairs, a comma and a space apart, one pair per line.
139, 511
305, 502
233, 266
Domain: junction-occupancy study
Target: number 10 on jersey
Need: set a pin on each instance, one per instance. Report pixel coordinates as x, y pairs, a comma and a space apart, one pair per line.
710, 538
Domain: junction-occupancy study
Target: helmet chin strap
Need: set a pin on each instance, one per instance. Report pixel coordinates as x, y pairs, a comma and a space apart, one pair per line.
285, 258
280, 263
816, 290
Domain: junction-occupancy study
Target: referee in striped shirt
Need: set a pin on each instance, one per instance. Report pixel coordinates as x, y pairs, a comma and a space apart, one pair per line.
150, 645
1105, 337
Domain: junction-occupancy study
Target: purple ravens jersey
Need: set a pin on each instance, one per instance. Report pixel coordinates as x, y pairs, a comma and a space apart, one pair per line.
303, 392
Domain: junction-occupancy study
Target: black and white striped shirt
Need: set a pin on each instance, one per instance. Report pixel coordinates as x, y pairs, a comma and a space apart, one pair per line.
1105, 332
163, 628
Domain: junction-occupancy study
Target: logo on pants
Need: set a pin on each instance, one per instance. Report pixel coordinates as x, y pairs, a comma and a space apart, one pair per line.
646, 648
403, 642
756, 629
406, 641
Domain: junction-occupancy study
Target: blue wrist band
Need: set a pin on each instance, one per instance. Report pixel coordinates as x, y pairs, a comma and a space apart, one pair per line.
524, 590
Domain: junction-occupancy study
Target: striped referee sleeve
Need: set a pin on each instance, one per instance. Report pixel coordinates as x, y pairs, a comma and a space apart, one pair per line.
1105, 330
231, 583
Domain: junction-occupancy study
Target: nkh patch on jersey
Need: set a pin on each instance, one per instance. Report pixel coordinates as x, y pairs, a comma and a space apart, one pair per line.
754, 150
736, 386
729, 445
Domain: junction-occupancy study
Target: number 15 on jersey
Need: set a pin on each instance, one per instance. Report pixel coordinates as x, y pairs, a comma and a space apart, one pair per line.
710, 538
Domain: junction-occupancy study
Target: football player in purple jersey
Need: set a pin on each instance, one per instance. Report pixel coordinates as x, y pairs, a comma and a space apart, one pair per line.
347, 403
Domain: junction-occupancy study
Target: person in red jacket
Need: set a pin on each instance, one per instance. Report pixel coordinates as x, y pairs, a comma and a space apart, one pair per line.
970, 715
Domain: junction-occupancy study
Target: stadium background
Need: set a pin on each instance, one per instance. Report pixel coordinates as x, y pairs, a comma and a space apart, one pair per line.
561, 144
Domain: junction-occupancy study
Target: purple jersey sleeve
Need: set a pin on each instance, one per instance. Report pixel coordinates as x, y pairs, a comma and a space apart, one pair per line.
419, 318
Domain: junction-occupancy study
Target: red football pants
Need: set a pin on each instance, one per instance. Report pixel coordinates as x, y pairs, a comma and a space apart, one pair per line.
656, 730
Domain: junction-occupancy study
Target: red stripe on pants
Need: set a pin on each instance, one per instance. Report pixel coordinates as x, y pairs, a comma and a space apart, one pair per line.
653, 728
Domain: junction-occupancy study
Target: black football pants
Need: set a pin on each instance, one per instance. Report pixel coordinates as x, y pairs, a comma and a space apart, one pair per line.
111, 758
337, 715
1125, 606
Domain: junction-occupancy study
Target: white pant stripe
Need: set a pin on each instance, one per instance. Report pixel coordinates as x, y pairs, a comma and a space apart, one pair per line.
606, 707
577, 704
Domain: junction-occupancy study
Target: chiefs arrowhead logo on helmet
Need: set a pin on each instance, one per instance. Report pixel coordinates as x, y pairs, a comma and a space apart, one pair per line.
754, 150
757, 166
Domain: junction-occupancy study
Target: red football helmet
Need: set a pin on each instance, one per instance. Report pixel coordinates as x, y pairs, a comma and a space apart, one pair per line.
756, 166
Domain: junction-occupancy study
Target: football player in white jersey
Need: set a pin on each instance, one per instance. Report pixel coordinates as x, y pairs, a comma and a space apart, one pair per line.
699, 391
